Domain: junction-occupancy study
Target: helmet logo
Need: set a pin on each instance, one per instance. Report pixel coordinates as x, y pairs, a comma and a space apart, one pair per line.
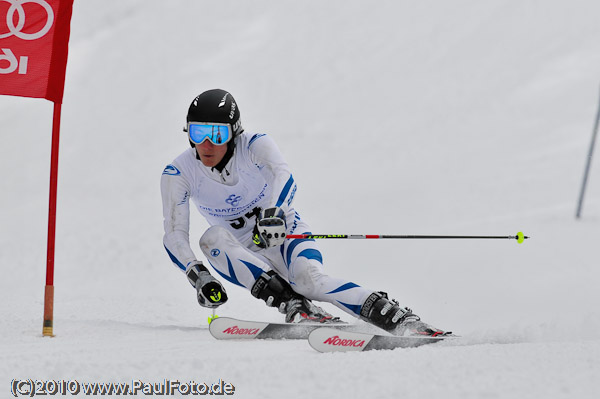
237, 125
222, 103
232, 113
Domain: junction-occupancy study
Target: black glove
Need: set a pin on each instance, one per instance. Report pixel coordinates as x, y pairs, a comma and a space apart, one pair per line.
270, 228
209, 290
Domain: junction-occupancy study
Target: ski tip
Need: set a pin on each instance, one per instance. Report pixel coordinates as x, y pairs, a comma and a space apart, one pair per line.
521, 237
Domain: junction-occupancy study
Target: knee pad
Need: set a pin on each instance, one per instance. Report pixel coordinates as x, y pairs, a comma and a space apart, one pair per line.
306, 275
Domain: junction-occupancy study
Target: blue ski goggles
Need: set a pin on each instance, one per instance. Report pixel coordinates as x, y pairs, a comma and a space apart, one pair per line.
216, 133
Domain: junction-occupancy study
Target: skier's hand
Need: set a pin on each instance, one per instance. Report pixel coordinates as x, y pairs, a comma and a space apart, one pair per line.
209, 291
270, 229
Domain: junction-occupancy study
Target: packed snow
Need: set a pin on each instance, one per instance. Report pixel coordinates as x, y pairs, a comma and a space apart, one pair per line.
397, 117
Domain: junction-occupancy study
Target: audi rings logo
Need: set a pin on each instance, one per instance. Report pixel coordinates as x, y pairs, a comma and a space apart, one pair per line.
16, 7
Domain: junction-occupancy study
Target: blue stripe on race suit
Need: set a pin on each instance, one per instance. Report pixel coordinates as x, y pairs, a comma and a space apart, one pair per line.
353, 308
292, 246
344, 287
254, 138
282, 250
312, 254
255, 270
285, 191
175, 260
232, 278
292, 230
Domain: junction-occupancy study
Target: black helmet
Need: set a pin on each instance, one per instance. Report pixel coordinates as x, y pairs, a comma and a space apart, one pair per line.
216, 106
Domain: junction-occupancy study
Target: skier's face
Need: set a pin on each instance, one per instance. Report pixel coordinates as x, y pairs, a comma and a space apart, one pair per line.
211, 154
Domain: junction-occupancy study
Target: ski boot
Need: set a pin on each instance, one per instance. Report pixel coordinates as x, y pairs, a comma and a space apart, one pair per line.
276, 292
388, 315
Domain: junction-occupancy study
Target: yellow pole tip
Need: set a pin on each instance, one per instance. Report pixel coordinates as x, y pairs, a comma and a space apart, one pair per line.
521, 237
47, 332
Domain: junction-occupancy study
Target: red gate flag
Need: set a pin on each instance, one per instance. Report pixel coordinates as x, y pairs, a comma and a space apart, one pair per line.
34, 38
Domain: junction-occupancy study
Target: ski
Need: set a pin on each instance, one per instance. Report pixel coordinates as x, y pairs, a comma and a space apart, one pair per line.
334, 340
230, 328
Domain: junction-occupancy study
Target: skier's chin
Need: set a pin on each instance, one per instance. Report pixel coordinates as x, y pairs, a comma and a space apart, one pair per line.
208, 160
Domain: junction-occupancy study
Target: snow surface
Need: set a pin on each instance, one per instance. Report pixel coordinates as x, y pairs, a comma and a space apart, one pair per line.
397, 117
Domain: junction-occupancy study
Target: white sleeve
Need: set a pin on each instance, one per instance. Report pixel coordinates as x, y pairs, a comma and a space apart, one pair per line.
266, 156
176, 212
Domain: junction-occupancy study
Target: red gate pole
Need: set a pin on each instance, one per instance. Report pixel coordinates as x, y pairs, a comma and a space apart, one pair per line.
49, 291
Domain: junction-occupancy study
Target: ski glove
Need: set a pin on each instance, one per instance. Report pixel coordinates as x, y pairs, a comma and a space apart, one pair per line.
209, 290
270, 229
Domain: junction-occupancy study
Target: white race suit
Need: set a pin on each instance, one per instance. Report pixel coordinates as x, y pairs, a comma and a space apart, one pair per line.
256, 177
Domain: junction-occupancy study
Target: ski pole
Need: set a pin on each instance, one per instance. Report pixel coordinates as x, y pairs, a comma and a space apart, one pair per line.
214, 316
587, 165
520, 237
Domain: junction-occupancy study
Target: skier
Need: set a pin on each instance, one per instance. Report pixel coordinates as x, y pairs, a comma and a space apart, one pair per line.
241, 184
